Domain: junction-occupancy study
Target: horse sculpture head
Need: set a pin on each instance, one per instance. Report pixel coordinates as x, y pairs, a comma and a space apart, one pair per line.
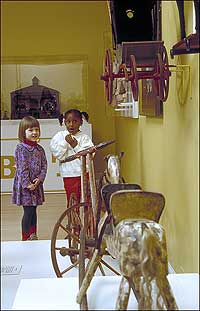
112, 171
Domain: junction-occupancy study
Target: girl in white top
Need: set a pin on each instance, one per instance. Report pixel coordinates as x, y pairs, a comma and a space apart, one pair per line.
66, 143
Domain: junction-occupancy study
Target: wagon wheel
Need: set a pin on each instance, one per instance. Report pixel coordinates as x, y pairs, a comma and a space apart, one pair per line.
162, 83
108, 76
134, 77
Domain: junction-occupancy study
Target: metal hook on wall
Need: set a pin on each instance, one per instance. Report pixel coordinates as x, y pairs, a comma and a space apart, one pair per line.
181, 69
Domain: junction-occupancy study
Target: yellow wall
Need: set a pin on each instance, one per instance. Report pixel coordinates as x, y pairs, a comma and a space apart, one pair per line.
162, 154
42, 31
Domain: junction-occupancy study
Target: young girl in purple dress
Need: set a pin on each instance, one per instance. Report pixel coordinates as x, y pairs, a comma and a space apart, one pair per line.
31, 169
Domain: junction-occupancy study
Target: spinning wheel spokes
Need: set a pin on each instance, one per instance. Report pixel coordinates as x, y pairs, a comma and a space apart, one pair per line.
134, 77
65, 239
64, 242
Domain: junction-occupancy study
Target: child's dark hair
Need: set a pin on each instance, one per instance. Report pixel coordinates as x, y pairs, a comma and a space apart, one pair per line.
85, 115
60, 118
77, 113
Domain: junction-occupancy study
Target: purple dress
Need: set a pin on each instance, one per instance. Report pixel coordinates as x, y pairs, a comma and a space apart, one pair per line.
31, 163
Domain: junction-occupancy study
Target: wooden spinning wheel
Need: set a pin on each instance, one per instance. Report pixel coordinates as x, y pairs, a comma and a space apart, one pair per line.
74, 232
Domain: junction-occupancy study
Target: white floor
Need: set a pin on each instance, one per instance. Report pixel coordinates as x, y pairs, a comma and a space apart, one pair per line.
36, 287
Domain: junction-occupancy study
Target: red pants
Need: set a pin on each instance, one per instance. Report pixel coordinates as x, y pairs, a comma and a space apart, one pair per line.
73, 185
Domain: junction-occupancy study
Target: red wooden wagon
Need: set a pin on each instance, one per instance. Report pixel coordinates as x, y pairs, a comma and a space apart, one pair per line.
140, 60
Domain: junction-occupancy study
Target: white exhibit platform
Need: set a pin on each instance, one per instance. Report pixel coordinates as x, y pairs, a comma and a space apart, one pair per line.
60, 294
25, 260
28, 282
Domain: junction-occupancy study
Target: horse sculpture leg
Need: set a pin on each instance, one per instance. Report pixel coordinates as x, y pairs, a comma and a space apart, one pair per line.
168, 296
123, 294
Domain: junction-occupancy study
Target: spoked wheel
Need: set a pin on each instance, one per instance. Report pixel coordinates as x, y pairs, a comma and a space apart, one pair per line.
162, 83
65, 241
108, 76
134, 77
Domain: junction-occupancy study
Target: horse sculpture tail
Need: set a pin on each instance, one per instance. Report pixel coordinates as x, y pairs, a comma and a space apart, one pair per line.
154, 268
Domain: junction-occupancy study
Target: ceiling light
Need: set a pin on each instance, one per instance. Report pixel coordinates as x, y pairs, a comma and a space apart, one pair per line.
129, 13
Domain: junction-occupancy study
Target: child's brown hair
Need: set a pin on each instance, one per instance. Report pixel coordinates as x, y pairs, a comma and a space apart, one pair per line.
25, 123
